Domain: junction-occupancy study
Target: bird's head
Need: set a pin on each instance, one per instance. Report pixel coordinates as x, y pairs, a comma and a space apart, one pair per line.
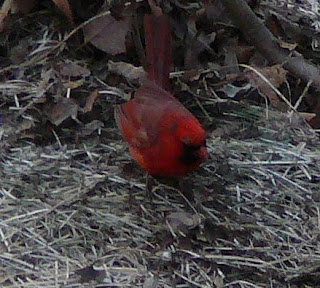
193, 138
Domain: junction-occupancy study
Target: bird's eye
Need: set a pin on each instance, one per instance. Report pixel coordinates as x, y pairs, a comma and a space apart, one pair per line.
190, 153
192, 147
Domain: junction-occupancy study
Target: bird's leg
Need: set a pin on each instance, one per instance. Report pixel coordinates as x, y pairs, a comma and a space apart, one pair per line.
186, 189
149, 185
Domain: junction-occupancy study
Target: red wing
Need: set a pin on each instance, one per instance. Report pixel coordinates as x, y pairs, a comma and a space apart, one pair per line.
130, 126
139, 118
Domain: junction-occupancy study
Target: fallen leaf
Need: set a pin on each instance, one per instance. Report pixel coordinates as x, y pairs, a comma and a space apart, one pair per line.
289, 46
90, 101
19, 52
13, 7
108, 34
276, 75
314, 121
71, 69
195, 44
26, 124
72, 74
231, 64
90, 127
62, 110
307, 116
244, 53
214, 9
127, 70
182, 221
64, 6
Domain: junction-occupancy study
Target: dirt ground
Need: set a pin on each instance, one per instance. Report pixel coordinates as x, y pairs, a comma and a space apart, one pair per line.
74, 207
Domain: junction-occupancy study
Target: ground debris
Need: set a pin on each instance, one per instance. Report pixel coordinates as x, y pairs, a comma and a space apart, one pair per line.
71, 213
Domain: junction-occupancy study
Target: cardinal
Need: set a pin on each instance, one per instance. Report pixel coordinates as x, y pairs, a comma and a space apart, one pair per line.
164, 138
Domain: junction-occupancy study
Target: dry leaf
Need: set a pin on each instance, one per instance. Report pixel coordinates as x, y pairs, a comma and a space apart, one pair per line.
26, 124
90, 127
72, 74
127, 70
69, 69
19, 52
13, 7
108, 34
183, 221
307, 116
64, 6
289, 46
195, 44
62, 110
314, 122
90, 101
276, 76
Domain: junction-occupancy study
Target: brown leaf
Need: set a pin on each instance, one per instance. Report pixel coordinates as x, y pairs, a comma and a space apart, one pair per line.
69, 69
13, 7
19, 52
289, 46
307, 116
127, 70
62, 110
108, 34
276, 75
182, 221
64, 6
313, 118
244, 53
90, 101
195, 44
72, 74
89, 128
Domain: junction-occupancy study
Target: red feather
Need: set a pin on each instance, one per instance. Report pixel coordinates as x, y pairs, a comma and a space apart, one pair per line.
163, 136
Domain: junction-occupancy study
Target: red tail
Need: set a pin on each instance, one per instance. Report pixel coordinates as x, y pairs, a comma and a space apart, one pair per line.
158, 39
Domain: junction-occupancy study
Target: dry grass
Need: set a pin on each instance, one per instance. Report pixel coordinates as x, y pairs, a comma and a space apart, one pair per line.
71, 216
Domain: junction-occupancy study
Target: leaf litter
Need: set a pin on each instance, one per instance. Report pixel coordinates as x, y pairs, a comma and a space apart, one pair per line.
72, 216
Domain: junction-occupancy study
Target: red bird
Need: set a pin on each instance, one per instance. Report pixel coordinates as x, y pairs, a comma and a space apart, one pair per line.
163, 136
